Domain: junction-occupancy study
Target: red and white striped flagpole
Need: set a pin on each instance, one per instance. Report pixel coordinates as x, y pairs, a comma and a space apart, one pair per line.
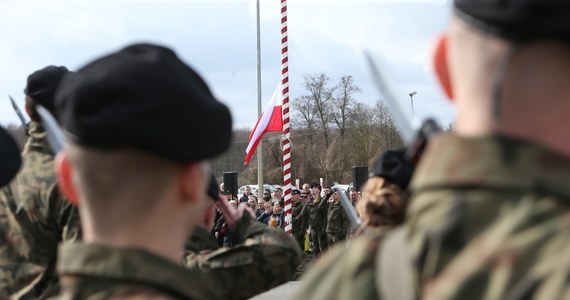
286, 125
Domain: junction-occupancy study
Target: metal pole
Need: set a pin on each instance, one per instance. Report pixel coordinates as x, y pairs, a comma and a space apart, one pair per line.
259, 112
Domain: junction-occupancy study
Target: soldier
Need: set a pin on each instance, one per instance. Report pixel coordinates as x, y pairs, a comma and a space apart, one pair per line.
316, 218
132, 120
262, 258
38, 218
386, 195
299, 225
337, 220
10, 160
489, 214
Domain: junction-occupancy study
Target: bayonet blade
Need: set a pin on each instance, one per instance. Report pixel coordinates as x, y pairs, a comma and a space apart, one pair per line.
18, 112
55, 136
406, 125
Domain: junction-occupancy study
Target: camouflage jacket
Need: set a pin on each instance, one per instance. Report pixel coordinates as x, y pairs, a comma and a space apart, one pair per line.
343, 273
315, 217
299, 225
94, 271
263, 258
488, 220
35, 219
337, 220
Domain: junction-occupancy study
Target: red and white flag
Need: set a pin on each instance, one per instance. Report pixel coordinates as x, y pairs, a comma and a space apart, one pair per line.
270, 121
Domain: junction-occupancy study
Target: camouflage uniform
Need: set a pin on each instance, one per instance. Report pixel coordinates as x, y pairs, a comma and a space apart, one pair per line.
488, 220
337, 221
316, 219
263, 258
35, 219
94, 271
299, 225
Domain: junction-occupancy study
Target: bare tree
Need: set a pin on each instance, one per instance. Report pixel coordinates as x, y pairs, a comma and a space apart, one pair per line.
343, 102
321, 95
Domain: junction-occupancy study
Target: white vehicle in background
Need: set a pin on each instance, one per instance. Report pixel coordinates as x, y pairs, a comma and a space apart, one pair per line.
254, 187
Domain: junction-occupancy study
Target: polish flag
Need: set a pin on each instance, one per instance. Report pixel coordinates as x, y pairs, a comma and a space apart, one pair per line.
270, 121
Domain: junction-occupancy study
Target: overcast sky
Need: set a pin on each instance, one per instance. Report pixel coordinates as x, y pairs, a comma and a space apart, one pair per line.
218, 39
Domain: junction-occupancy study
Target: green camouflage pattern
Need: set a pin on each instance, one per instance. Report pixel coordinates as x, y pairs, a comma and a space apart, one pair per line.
95, 271
299, 225
337, 221
317, 220
343, 273
489, 218
315, 217
201, 239
264, 257
34, 220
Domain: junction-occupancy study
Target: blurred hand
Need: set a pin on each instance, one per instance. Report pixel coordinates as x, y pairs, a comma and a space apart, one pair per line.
232, 214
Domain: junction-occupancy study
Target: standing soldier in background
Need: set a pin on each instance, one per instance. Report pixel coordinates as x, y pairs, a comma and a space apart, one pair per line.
337, 221
299, 225
316, 218
38, 218
490, 208
132, 119
261, 259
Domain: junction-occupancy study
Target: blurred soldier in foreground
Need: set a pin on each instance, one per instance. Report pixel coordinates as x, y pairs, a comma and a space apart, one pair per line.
10, 161
38, 218
386, 191
262, 258
132, 119
490, 207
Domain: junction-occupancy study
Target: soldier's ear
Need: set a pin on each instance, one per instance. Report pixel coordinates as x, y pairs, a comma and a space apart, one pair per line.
440, 65
64, 173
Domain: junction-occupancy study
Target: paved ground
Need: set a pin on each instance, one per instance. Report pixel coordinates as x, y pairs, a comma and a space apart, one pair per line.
282, 292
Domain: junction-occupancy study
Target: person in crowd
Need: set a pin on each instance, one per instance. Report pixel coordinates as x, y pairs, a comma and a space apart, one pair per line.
489, 207
260, 207
267, 213
222, 229
246, 194
252, 203
267, 195
38, 216
306, 188
354, 196
277, 195
277, 219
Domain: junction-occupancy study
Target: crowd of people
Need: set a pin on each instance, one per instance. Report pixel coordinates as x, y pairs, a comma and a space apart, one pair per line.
133, 210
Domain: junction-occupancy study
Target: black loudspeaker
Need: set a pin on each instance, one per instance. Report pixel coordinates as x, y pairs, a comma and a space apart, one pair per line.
359, 177
230, 183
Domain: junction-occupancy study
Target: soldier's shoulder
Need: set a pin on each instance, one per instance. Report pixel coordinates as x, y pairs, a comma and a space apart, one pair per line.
343, 273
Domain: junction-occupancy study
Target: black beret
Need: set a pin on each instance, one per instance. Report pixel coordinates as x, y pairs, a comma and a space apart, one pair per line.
314, 184
394, 166
295, 192
42, 85
10, 159
213, 189
144, 97
519, 20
